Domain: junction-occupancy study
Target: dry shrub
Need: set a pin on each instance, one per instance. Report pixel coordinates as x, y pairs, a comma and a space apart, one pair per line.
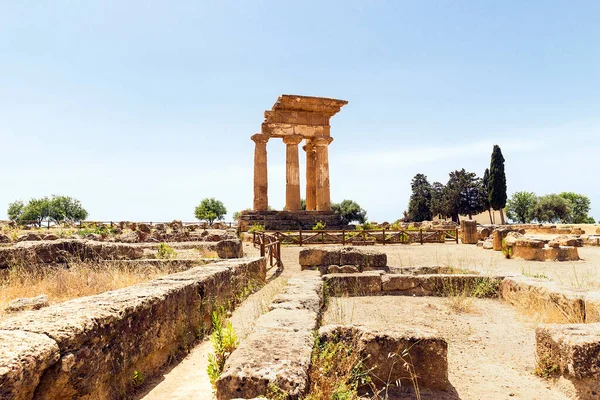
78, 279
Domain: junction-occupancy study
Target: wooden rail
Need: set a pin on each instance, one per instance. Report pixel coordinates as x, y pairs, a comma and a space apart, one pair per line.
359, 237
270, 247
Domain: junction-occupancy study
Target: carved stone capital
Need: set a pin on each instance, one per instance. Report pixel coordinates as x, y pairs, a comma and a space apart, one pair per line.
260, 138
321, 141
292, 139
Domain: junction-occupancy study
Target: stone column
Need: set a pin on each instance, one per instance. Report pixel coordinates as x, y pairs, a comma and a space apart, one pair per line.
322, 155
311, 176
292, 173
261, 186
469, 231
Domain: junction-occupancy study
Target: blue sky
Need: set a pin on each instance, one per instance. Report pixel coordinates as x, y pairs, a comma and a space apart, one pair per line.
141, 109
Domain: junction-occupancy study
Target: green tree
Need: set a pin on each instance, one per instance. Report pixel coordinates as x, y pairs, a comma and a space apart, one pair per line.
463, 194
65, 208
15, 210
349, 211
497, 183
419, 206
580, 207
552, 208
439, 204
521, 206
210, 210
485, 194
36, 210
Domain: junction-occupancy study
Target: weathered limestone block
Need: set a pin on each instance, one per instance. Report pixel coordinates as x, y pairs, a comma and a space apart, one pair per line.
469, 234
441, 285
103, 339
362, 284
563, 253
499, 235
573, 348
24, 356
365, 259
488, 244
565, 240
30, 303
484, 232
313, 256
5, 238
592, 240
343, 269
427, 350
232, 248
592, 306
300, 293
543, 295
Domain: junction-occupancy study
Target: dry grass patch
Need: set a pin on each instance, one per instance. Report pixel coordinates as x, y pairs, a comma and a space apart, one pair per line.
77, 280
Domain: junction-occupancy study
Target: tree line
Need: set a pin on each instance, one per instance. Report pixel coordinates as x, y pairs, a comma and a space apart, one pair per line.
463, 194
55, 209
566, 208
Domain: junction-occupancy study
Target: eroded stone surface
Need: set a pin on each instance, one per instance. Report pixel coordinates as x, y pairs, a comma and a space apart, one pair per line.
30, 303
24, 356
385, 350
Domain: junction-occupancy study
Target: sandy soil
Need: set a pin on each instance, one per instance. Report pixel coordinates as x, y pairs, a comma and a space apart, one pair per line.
491, 350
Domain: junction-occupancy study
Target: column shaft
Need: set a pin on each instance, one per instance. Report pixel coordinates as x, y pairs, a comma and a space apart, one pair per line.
311, 176
322, 179
261, 186
292, 173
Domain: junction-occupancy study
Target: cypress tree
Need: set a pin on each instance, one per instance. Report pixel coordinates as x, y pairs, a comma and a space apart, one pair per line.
486, 192
497, 183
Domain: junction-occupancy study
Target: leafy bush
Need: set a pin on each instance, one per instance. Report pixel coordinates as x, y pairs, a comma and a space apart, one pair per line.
256, 228
165, 251
319, 226
349, 211
224, 341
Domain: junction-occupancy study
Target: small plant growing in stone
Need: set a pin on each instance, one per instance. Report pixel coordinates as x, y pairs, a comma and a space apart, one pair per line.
545, 368
506, 250
165, 251
319, 226
137, 378
224, 341
256, 228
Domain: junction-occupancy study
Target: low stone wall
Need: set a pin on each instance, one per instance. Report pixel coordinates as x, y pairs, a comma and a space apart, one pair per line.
289, 220
424, 349
91, 347
377, 283
575, 306
573, 351
358, 260
65, 250
278, 352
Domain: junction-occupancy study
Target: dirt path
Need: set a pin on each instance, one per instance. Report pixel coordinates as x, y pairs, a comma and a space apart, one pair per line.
188, 379
491, 349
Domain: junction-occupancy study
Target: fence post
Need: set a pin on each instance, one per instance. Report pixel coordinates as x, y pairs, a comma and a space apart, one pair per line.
456, 235
421, 235
383, 235
300, 239
343, 237
271, 255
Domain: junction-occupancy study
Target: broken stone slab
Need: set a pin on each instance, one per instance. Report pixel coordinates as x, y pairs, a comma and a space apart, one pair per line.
488, 244
24, 357
573, 348
361, 284
385, 350
269, 357
29, 303
362, 258
278, 351
230, 248
343, 269
564, 240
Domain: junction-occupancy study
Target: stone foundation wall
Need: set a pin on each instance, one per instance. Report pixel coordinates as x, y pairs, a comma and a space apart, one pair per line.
91, 347
288, 220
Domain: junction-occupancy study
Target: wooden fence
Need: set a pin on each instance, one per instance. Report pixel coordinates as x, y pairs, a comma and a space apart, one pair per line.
270, 247
356, 237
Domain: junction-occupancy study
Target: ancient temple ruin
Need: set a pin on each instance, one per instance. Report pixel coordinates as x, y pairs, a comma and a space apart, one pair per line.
295, 119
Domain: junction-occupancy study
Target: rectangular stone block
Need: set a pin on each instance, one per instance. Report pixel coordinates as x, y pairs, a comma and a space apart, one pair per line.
312, 257
361, 284
573, 348
365, 259
385, 352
